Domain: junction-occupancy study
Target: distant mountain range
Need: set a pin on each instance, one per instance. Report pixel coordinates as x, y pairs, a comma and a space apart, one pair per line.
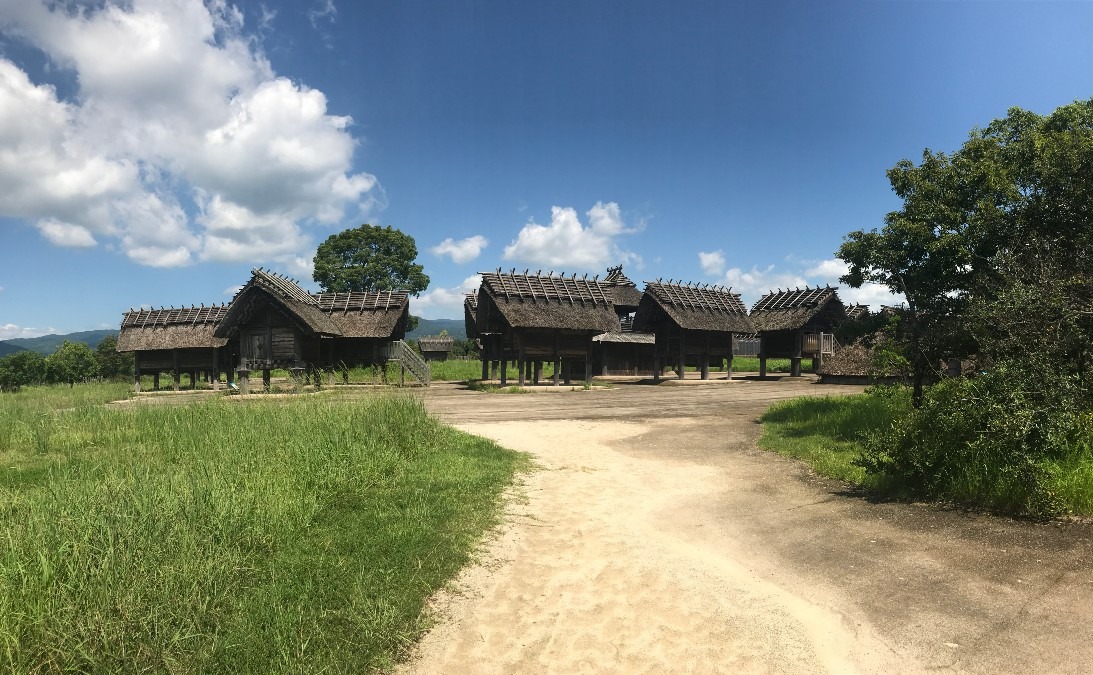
47, 344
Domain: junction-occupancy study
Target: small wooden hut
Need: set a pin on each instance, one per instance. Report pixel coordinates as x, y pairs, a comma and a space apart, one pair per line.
797, 323
531, 318
624, 352
436, 347
693, 324
270, 323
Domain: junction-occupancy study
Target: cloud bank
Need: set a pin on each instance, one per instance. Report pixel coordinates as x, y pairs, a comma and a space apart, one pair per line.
462, 251
180, 143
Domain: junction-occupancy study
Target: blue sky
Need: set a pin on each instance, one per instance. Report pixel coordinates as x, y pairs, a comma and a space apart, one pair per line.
153, 151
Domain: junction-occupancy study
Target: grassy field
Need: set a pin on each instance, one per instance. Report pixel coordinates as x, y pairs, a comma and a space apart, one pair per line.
294, 535
826, 432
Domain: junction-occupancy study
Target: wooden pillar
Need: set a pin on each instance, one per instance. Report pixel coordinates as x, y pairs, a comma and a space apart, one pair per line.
537, 372
795, 361
401, 374
521, 359
588, 363
216, 369
706, 366
681, 371
193, 379
136, 372
265, 380
485, 367
244, 380
495, 365
557, 356
176, 375
567, 375
504, 370
155, 381
728, 361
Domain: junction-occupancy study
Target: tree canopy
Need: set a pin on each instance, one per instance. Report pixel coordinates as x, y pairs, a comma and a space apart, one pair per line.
369, 258
72, 362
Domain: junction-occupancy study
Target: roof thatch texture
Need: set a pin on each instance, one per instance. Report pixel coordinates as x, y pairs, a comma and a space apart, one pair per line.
374, 314
792, 309
470, 314
284, 292
855, 312
626, 338
170, 328
693, 307
549, 302
624, 293
436, 343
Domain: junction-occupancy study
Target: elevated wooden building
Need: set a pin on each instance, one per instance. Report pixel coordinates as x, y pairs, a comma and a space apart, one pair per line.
270, 323
693, 324
532, 318
436, 347
797, 323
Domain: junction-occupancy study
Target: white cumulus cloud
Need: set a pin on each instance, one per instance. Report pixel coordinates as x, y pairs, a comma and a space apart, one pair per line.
177, 112
9, 331
462, 251
712, 263
566, 243
444, 303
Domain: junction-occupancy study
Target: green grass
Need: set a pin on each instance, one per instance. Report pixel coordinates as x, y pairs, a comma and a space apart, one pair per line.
750, 364
293, 535
826, 432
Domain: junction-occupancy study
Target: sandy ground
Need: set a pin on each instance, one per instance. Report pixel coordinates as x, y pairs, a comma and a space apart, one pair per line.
656, 537
583, 578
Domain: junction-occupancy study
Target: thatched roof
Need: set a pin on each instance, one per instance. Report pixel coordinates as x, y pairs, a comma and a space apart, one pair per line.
470, 314
692, 307
170, 328
375, 314
436, 343
265, 286
792, 309
543, 301
855, 312
624, 293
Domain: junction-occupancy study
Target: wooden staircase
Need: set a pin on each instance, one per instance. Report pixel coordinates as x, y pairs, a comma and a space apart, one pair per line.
398, 350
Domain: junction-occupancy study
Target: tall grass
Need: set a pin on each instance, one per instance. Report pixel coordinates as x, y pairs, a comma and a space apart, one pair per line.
266, 536
827, 432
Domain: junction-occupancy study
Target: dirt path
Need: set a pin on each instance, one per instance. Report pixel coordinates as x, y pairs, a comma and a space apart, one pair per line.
657, 538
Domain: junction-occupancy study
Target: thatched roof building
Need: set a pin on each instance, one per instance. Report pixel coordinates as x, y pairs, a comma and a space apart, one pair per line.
470, 314
797, 308
171, 328
508, 300
436, 347
694, 324
857, 312
271, 322
795, 323
623, 292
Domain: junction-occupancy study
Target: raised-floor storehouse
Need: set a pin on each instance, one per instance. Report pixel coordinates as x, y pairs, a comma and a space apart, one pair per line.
534, 318
270, 323
693, 325
797, 323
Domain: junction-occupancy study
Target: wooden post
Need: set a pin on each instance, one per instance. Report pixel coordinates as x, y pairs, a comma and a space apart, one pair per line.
176, 375
706, 366
557, 356
728, 362
244, 380
136, 371
401, 374
588, 364
504, 370
537, 372
265, 380
155, 381
216, 369
521, 362
567, 375
681, 371
485, 367
795, 361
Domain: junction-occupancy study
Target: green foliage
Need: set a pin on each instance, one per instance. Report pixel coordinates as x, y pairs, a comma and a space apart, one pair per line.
299, 535
21, 369
72, 362
369, 258
112, 363
992, 440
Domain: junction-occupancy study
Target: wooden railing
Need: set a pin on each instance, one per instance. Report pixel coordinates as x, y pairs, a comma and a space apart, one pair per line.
398, 350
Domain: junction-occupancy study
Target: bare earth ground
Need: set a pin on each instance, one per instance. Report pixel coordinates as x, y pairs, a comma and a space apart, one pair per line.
657, 538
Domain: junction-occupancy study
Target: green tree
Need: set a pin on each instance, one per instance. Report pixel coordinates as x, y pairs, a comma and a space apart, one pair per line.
111, 362
369, 258
72, 362
922, 252
21, 369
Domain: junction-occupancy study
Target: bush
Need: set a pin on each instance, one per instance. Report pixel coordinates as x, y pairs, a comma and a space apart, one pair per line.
996, 440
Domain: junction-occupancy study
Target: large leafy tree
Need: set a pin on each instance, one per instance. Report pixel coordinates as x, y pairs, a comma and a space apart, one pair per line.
21, 369
72, 362
369, 258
